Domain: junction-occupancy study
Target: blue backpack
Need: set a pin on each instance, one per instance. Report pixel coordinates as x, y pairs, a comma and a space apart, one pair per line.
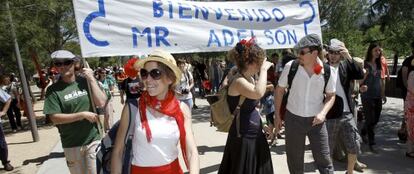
104, 150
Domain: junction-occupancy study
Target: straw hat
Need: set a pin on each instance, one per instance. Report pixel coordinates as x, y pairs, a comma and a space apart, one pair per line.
164, 58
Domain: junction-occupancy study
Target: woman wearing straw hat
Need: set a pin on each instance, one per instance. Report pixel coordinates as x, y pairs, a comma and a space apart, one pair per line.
162, 123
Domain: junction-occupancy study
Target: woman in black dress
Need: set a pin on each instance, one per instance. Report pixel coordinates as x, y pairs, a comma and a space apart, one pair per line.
247, 151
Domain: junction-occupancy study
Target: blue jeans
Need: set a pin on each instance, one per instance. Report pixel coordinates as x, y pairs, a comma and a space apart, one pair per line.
188, 102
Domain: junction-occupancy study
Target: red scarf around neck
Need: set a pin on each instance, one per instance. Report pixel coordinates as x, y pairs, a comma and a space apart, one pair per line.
170, 106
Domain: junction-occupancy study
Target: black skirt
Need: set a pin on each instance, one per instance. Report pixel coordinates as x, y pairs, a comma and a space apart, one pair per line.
246, 156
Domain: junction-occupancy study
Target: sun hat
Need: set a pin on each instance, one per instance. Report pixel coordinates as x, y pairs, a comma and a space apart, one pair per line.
310, 40
62, 54
161, 57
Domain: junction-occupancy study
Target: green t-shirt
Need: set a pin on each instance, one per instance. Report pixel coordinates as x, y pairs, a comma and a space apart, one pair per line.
67, 98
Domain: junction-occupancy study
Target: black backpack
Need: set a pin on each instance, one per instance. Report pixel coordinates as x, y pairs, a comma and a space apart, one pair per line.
337, 108
399, 80
104, 150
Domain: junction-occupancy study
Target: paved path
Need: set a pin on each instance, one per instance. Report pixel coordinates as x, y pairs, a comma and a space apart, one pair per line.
389, 159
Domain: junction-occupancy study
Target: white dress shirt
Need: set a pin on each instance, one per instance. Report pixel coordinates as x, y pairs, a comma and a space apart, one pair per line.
306, 93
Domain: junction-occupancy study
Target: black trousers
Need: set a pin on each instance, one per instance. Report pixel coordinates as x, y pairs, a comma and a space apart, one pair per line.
14, 115
372, 111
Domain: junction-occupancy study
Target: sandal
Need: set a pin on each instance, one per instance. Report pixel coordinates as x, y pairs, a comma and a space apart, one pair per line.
409, 154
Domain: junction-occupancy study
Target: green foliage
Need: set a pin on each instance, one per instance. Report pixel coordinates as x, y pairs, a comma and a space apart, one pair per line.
359, 22
43, 26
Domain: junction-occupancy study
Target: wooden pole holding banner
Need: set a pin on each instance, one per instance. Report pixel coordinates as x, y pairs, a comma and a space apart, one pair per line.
100, 121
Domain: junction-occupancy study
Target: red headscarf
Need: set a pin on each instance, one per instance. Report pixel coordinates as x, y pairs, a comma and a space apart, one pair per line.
170, 106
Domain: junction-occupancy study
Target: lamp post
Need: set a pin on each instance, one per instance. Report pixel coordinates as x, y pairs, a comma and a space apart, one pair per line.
26, 94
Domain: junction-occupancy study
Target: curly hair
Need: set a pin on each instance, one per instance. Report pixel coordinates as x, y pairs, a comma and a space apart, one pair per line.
243, 55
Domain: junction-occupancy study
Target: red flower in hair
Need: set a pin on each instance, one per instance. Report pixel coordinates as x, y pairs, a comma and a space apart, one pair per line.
317, 69
129, 69
248, 43
243, 42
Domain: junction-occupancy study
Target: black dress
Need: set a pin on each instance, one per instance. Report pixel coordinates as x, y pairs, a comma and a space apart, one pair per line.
250, 153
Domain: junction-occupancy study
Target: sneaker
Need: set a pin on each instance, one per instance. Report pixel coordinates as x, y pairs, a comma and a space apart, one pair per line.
14, 130
8, 167
359, 167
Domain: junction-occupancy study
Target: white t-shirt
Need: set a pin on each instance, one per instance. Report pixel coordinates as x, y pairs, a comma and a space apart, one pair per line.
186, 78
3, 98
306, 93
341, 92
163, 148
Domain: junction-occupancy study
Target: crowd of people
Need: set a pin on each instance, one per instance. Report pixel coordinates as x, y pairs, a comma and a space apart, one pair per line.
311, 91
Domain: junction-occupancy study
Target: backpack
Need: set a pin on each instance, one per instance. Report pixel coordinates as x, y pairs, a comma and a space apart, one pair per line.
399, 80
104, 149
221, 116
337, 108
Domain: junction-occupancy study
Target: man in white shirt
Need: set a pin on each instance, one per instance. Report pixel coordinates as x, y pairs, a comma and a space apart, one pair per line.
307, 106
6, 100
344, 126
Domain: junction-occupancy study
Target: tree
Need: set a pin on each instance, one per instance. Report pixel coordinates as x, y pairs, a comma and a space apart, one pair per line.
395, 20
341, 19
43, 26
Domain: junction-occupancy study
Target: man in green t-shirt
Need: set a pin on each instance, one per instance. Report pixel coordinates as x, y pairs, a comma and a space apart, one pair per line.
68, 104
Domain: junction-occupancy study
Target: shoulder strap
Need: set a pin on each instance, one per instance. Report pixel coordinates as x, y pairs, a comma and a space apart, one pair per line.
226, 72
326, 74
125, 84
133, 109
292, 72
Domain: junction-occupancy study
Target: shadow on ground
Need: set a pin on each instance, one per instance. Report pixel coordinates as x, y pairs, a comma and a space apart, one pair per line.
203, 149
40, 160
40, 122
201, 115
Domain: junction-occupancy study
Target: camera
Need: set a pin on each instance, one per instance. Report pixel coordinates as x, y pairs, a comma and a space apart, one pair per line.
185, 91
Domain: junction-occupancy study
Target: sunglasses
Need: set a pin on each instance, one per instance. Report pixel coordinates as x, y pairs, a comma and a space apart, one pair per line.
302, 53
63, 63
154, 73
334, 52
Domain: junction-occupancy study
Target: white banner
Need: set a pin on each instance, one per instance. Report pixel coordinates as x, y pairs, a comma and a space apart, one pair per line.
130, 27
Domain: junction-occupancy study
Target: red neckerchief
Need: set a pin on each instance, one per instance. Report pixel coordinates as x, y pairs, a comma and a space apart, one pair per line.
170, 106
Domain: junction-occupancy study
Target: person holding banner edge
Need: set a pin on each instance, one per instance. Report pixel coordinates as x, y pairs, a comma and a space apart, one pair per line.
162, 122
69, 107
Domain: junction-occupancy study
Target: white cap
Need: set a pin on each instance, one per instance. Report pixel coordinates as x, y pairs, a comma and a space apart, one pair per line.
336, 45
62, 54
